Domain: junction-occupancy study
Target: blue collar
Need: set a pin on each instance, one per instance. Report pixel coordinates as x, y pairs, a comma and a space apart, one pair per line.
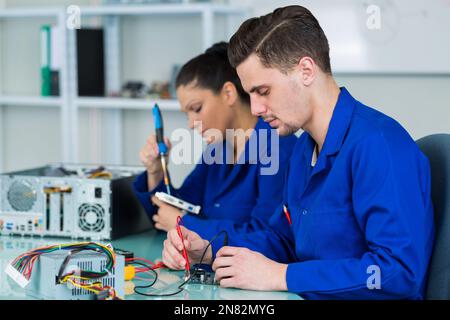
339, 124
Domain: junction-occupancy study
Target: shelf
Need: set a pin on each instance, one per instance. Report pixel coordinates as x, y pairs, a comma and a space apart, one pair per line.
159, 9
126, 103
144, 9
30, 12
69, 103
31, 101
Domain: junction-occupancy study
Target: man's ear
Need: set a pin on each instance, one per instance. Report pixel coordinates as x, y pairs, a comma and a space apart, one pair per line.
308, 70
229, 93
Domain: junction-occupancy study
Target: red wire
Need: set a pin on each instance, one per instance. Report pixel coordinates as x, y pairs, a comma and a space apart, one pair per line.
29, 267
182, 241
141, 259
159, 265
144, 269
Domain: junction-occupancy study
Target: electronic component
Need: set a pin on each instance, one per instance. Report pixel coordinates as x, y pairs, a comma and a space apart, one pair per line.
202, 274
199, 273
79, 271
77, 201
130, 272
9, 246
44, 283
176, 202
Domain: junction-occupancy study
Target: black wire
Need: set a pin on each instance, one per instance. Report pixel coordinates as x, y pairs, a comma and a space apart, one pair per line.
180, 287
158, 295
65, 262
86, 274
149, 269
154, 281
225, 243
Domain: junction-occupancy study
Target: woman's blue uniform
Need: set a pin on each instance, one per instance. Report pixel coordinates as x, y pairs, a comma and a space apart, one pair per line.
362, 217
236, 198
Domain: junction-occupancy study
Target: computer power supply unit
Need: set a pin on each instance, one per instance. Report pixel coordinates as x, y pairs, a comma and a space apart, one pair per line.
76, 201
9, 247
44, 278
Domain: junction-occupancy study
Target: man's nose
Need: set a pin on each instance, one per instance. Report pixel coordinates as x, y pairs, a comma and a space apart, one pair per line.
257, 106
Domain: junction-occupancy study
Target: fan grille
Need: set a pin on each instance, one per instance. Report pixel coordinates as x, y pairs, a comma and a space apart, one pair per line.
22, 196
91, 217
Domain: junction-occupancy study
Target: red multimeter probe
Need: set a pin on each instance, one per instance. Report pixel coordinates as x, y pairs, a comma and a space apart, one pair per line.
186, 273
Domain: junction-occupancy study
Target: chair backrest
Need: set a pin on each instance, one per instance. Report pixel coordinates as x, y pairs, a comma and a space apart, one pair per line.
437, 148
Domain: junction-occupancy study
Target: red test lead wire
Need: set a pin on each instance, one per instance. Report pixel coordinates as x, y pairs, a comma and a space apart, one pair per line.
184, 248
153, 266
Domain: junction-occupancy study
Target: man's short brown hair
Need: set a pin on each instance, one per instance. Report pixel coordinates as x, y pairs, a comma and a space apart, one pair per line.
280, 39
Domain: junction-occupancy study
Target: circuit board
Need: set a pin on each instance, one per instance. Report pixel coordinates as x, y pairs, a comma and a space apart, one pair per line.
202, 274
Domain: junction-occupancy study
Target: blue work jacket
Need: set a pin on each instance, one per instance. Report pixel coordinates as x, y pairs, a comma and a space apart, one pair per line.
236, 198
361, 217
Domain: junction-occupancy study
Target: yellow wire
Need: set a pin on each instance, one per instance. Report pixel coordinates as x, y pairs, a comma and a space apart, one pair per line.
77, 244
83, 286
69, 277
74, 276
88, 288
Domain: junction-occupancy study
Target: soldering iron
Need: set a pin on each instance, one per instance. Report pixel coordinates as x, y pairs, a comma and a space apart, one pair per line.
162, 148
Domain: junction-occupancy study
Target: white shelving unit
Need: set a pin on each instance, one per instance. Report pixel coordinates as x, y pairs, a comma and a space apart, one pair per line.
31, 101
30, 12
111, 107
124, 103
62, 102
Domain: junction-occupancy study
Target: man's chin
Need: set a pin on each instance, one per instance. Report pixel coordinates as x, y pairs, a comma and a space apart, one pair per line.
280, 132
284, 131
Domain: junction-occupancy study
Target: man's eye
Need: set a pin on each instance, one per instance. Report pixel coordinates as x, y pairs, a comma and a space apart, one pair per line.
264, 92
198, 109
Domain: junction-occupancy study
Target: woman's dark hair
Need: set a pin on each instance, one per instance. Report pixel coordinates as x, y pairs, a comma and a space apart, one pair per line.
211, 70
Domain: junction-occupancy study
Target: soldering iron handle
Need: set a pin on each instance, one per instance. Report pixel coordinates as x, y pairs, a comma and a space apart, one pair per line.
159, 130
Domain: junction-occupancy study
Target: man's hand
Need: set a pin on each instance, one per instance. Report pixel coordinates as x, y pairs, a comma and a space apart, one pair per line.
167, 215
245, 269
195, 246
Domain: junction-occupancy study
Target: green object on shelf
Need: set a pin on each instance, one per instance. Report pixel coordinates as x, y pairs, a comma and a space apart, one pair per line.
46, 78
46, 82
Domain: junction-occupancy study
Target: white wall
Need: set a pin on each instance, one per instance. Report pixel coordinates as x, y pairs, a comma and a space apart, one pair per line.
378, 35
420, 102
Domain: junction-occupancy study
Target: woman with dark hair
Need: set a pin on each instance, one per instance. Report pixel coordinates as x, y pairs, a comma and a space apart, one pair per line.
234, 197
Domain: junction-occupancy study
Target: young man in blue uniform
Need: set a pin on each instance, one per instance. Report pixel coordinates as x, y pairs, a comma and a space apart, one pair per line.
239, 191
356, 220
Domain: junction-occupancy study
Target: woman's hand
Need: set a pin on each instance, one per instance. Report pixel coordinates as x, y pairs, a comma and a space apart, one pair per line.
150, 156
166, 217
